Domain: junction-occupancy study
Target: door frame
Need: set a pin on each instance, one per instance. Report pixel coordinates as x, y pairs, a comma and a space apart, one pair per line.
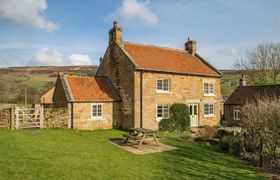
198, 112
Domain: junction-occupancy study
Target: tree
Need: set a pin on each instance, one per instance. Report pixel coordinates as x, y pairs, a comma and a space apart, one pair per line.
260, 126
32, 95
274, 62
261, 62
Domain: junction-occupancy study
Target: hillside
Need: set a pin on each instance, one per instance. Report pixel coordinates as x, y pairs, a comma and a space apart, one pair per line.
13, 81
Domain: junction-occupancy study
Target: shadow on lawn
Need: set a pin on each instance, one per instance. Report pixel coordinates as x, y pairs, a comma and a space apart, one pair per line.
202, 161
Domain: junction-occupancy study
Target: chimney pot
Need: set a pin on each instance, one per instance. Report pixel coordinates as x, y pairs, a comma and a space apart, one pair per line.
115, 24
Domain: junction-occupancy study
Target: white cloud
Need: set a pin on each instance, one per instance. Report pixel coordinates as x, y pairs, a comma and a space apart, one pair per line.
51, 57
131, 9
27, 13
48, 57
80, 59
229, 52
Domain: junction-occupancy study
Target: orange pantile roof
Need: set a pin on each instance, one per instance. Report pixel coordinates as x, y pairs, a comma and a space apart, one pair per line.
47, 97
169, 60
82, 88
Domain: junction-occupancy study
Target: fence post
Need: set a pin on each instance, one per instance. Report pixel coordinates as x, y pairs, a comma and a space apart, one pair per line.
17, 118
41, 116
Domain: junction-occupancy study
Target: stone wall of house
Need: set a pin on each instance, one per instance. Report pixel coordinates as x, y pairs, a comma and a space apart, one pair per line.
56, 118
184, 89
5, 118
117, 66
59, 96
84, 121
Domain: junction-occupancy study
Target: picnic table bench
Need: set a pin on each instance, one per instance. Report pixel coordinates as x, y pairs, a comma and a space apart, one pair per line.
140, 134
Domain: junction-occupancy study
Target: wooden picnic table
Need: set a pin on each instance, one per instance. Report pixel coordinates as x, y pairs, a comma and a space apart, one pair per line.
140, 134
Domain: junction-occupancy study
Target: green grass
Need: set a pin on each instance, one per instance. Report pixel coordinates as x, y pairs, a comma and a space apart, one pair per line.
67, 154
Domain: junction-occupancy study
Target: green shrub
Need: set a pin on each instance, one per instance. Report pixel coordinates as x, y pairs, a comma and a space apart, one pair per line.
222, 133
167, 125
179, 119
231, 144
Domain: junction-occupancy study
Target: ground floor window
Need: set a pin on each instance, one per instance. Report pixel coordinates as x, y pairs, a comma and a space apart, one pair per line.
236, 113
209, 109
96, 110
162, 111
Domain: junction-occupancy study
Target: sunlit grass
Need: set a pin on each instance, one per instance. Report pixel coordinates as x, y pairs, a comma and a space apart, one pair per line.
68, 154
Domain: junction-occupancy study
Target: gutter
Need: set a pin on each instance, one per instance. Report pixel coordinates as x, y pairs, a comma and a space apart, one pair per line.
72, 115
141, 99
177, 73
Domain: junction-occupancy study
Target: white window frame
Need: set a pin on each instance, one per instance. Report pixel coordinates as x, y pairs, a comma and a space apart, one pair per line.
209, 114
236, 110
157, 107
208, 91
96, 117
162, 90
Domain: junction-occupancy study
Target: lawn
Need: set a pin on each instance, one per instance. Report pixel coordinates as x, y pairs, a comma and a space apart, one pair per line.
68, 154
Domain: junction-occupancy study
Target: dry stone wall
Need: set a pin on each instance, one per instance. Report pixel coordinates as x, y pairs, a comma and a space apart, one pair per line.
55, 118
5, 117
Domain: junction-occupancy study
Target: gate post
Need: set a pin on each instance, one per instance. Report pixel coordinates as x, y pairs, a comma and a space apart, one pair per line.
12, 118
41, 116
17, 117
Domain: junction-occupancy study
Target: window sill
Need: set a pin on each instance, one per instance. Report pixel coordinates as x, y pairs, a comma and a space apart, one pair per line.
163, 92
209, 95
236, 119
209, 116
96, 118
158, 119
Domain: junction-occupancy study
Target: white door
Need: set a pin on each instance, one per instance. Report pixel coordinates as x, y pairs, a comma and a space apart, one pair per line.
193, 114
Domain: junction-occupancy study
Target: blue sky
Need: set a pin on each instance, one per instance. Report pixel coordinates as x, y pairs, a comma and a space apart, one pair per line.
71, 32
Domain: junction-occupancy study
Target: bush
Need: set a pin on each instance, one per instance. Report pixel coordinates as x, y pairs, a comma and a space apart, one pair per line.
208, 133
179, 119
167, 125
222, 133
231, 144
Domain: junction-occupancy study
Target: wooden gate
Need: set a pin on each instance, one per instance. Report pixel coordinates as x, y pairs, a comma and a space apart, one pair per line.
29, 118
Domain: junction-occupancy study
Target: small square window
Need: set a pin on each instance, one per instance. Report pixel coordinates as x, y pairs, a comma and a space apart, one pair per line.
236, 113
209, 110
96, 111
162, 111
163, 85
208, 89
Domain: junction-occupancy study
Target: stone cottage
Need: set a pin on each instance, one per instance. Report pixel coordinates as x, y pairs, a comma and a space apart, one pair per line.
149, 79
92, 102
245, 94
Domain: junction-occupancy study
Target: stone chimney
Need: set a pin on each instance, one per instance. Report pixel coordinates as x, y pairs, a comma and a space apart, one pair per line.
242, 81
190, 46
115, 34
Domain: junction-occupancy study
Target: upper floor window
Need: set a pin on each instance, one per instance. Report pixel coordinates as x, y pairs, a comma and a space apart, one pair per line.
162, 111
208, 89
96, 111
163, 85
209, 109
236, 113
